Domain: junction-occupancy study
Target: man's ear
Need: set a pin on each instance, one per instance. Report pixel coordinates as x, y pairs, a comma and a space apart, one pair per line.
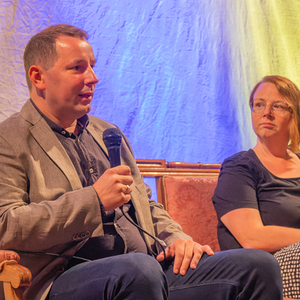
36, 76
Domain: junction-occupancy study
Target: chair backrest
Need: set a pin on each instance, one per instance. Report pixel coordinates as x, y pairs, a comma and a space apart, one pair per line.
188, 201
185, 190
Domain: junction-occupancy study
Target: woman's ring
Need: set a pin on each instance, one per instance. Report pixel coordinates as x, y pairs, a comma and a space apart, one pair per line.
128, 188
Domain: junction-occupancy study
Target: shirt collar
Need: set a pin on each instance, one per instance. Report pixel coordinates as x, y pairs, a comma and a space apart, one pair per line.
81, 122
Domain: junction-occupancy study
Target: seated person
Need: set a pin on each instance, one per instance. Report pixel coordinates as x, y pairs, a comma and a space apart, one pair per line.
73, 219
257, 197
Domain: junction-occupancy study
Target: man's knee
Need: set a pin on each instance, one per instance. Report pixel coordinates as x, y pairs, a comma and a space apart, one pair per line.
142, 267
143, 275
127, 276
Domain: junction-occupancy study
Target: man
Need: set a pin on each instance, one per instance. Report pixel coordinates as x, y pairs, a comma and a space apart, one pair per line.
71, 217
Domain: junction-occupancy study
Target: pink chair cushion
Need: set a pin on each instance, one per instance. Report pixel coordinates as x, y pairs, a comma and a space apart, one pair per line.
189, 203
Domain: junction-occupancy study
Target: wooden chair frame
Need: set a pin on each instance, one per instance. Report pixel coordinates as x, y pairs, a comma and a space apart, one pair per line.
158, 168
15, 278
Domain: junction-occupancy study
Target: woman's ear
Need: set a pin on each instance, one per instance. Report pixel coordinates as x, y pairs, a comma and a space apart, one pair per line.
35, 74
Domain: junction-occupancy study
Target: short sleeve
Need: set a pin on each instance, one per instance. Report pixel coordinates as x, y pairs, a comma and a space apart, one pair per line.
237, 184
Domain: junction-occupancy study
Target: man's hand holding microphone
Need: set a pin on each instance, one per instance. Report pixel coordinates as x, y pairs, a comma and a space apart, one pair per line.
113, 187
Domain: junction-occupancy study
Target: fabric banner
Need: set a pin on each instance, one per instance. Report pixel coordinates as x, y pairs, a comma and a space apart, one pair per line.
174, 75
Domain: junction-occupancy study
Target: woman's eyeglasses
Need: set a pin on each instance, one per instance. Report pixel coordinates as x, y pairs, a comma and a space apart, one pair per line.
279, 107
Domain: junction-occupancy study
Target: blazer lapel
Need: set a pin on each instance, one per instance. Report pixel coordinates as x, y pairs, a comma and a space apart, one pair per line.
47, 140
98, 136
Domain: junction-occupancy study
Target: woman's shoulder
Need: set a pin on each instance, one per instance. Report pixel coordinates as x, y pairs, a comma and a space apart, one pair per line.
243, 164
242, 157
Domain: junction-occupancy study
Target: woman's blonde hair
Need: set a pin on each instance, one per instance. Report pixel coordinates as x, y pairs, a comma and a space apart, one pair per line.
291, 93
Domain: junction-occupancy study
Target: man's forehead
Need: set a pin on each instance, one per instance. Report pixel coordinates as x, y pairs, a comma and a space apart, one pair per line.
65, 41
68, 45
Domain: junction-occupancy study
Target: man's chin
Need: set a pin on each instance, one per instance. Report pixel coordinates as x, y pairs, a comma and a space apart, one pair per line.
88, 108
81, 110
85, 108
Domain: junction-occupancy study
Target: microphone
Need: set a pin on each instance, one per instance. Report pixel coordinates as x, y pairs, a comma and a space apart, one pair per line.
112, 138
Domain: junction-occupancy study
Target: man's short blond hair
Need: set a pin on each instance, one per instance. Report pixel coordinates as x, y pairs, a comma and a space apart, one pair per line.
41, 48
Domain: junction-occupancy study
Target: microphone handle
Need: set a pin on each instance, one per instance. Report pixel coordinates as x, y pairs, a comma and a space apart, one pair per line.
114, 154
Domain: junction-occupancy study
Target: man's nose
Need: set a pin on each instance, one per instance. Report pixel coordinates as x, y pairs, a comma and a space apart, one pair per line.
91, 77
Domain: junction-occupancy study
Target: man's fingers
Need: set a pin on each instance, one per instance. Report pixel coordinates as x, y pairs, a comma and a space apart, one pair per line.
122, 170
188, 257
207, 250
126, 189
179, 256
160, 257
186, 254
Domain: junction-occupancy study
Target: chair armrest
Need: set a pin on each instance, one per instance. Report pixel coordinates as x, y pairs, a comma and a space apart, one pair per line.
15, 278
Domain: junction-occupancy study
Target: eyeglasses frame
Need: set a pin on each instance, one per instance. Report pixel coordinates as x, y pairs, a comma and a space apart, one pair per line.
272, 109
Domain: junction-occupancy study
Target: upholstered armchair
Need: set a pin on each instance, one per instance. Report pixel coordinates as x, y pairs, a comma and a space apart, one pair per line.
185, 190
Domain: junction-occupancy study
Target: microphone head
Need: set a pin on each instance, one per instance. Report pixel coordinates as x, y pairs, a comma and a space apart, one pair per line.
112, 137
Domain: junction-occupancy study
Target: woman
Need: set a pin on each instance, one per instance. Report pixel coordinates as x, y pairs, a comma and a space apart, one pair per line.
257, 198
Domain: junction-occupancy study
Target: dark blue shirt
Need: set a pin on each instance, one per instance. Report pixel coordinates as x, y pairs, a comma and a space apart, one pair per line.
244, 182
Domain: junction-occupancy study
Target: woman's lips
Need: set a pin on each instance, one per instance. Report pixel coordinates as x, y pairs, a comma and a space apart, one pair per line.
267, 124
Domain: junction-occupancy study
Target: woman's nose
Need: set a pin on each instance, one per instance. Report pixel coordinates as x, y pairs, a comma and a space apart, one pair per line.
268, 109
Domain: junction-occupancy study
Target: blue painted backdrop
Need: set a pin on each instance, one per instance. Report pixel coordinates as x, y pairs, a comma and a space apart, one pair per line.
175, 75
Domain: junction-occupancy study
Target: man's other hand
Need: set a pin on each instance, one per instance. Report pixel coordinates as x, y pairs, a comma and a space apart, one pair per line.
186, 253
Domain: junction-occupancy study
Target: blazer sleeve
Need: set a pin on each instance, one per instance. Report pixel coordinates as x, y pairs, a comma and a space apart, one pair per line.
39, 209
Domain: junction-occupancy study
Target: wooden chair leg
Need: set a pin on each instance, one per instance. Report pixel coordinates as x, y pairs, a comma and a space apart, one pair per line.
12, 294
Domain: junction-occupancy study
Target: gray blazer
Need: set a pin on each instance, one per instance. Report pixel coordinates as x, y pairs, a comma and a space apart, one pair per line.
43, 206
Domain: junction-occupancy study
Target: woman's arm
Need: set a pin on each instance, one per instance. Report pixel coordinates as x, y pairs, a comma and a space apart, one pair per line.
246, 226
